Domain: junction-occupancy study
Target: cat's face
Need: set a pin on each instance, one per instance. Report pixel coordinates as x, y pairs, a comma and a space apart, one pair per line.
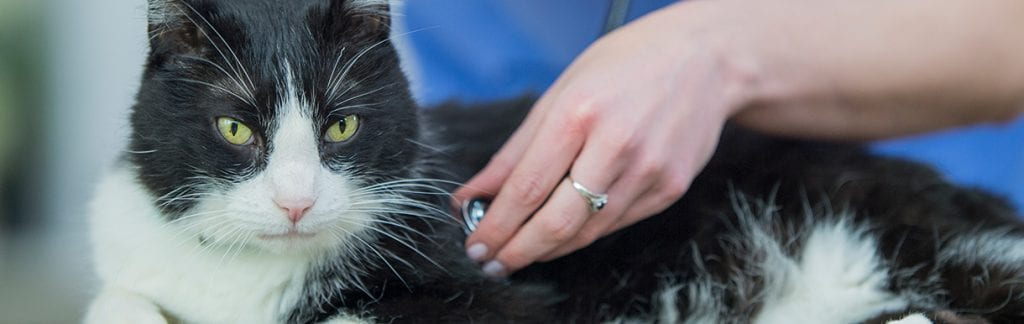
271, 124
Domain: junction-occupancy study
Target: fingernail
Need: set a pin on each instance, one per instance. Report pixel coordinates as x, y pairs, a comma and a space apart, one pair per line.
494, 269
477, 252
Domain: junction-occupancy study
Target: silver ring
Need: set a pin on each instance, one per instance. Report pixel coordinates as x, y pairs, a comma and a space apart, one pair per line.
597, 201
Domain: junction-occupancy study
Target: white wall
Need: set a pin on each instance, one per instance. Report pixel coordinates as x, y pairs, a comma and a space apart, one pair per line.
95, 54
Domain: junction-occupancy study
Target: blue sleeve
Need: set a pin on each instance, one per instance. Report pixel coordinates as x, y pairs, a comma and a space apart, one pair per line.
472, 50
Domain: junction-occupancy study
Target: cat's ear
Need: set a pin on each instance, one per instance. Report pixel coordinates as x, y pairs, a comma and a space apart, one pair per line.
367, 18
173, 28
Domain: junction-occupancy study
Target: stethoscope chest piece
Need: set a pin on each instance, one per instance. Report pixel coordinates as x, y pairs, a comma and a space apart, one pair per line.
473, 211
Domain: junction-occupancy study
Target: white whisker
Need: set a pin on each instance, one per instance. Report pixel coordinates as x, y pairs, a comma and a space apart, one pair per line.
384, 259
336, 110
406, 244
333, 94
211, 85
239, 70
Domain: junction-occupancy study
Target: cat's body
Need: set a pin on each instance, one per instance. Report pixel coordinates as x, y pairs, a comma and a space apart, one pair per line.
788, 231
280, 172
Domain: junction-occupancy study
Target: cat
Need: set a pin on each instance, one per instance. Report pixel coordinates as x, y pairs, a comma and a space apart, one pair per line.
279, 171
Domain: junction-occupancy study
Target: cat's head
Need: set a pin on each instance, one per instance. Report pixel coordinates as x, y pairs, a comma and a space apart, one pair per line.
273, 123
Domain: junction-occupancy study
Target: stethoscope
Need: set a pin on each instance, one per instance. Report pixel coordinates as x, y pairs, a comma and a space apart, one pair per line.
473, 210
617, 11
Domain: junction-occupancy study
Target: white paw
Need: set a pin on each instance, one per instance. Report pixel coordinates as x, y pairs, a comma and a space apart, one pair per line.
912, 319
115, 306
347, 319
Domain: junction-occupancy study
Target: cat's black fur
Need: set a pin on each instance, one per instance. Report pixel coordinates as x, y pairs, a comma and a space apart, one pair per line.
910, 207
781, 186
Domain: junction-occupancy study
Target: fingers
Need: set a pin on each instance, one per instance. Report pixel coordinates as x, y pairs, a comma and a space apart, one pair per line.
621, 196
559, 223
489, 180
653, 201
542, 166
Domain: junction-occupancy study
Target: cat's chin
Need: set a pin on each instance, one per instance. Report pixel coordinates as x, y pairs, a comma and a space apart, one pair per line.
301, 242
293, 243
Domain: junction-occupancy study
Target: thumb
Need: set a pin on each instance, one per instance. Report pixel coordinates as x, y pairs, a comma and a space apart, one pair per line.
489, 181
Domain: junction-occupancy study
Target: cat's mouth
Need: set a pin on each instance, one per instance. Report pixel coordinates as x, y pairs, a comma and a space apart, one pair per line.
292, 234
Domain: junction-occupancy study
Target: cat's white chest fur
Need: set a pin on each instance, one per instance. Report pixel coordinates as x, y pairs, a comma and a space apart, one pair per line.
141, 259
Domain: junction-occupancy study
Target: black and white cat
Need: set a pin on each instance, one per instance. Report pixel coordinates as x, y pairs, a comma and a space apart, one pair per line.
279, 172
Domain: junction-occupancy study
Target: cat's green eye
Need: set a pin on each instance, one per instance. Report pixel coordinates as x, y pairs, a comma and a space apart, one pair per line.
234, 131
342, 130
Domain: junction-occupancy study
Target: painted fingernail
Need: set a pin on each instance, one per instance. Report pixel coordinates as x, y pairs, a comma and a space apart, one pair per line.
494, 269
477, 252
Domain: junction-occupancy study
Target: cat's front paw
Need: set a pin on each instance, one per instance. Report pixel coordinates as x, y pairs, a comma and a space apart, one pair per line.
912, 319
115, 306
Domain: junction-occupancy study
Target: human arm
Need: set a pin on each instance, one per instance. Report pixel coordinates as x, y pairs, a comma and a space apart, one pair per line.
639, 113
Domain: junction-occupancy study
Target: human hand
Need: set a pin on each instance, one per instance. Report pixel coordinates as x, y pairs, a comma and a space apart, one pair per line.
636, 116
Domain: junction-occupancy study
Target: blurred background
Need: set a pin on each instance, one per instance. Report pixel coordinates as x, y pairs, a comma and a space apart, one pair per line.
69, 69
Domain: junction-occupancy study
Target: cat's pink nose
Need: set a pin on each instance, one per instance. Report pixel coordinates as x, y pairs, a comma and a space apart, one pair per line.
295, 208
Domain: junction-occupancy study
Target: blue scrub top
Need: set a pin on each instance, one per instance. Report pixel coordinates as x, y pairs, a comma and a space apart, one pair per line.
473, 50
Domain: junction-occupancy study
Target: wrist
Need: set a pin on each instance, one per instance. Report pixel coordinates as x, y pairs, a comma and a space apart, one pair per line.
718, 31
762, 54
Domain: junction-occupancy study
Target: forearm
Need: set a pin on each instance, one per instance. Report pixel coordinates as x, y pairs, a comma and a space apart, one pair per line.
872, 68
